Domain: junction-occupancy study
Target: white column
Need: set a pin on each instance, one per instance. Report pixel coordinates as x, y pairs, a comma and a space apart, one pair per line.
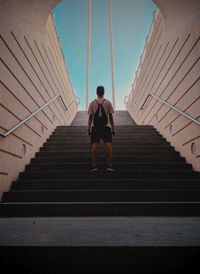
112, 53
88, 53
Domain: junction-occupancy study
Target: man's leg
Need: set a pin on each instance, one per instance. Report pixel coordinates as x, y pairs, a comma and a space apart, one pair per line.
108, 150
95, 150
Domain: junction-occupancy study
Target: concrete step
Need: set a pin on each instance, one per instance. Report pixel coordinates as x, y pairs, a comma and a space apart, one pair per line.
75, 142
120, 142
118, 133
46, 158
117, 147
128, 174
141, 252
116, 153
125, 127
116, 150
125, 141
40, 209
117, 166
108, 195
87, 148
110, 183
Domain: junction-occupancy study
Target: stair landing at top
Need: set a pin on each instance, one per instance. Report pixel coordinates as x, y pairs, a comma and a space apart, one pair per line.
121, 118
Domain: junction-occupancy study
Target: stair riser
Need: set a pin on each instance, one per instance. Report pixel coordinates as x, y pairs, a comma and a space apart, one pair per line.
85, 149
127, 166
115, 147
122, 134
102, 196
82, 142
141, 153
135, 209
105, 184
117, 127
117, 174
61, 159
125, 140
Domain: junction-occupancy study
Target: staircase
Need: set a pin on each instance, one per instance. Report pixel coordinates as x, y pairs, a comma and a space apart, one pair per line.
151, 180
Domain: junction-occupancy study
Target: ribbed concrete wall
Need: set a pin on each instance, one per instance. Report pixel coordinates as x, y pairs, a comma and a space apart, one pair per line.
170, 68
32, 71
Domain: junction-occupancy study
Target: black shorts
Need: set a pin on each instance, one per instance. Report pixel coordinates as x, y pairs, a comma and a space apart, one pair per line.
104, 134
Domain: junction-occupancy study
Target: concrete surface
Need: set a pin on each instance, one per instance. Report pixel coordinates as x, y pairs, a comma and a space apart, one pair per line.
100, 231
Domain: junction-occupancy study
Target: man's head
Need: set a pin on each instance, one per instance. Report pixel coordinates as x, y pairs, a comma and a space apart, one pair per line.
100, 91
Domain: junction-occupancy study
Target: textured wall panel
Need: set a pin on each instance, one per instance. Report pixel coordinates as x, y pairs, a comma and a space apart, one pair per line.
170, 69
32, 71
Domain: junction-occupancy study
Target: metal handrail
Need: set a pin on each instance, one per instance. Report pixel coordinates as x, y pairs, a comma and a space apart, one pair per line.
131, 102
138, 107
77, 100
168, 104
4, 134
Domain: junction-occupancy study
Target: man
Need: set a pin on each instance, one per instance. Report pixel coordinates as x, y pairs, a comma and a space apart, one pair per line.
101, 127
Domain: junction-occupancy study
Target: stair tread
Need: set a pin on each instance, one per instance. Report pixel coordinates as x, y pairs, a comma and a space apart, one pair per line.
103, 202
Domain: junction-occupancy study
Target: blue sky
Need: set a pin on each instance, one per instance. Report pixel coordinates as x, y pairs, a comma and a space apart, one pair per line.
131, 23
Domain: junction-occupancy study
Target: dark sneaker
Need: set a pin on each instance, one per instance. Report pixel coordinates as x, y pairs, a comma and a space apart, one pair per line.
94, 168
110, 169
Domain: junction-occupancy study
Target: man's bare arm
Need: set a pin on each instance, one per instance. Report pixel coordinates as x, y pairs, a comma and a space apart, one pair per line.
89, 122
112, 122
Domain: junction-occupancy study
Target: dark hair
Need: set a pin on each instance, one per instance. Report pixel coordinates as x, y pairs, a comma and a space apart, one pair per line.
100, 90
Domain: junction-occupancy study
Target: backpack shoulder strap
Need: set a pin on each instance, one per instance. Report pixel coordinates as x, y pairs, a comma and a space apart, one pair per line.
101, 102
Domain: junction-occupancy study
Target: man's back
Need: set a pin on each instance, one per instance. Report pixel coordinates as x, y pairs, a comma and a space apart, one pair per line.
106, 104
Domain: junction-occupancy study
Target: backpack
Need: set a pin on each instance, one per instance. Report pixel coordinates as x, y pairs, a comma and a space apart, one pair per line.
100, 116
